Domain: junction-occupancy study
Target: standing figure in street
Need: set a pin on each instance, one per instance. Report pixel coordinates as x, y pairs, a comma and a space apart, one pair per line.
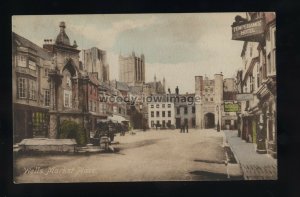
180, 128
183, 128
187, 127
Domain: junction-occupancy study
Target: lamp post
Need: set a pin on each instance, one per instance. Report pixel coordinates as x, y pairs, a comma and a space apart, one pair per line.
218, 124
141, 111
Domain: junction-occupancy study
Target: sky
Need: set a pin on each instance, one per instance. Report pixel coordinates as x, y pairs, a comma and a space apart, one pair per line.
176, 46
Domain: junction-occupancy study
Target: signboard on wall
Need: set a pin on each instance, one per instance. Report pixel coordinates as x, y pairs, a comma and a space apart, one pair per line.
244, 97
250, 31
232, 107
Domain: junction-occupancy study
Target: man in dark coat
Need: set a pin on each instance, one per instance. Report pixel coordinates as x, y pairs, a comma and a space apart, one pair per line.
187, 127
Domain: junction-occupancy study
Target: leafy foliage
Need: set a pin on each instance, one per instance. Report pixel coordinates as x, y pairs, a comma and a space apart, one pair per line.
72, 130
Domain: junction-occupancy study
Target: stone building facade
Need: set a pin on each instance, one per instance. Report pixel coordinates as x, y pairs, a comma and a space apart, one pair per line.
50, 86
210, 105
132, 69
257, 77
161, 114
185, 111
94, 61
30, 88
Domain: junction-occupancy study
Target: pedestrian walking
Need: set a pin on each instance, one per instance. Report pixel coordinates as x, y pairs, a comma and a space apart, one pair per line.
187, 127
180, 128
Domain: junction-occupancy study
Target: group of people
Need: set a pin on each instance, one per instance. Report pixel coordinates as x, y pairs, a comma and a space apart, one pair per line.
184, 127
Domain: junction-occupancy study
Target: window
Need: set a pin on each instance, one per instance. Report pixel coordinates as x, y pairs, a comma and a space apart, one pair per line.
169, 105
22, 86
32, 89
157, 105
157, 114
46, 71
169, 113
21, 61
163, 123
67, 98
32, 65
269, 63
152, 113
178, 110
163, 105
90, 106
185, 110
206, 99
157, 122
193, 109
69, 82
95, 106
211, 99
211, 89
169, 122
152, 106
47, 98
163, 113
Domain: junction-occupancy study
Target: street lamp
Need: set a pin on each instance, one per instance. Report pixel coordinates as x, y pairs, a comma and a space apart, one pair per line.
141, 111
218, 124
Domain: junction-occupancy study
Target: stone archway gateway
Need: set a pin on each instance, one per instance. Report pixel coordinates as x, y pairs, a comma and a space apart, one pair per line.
209, 121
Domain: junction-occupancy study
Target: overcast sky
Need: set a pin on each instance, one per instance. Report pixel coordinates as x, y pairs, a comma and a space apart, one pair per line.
176, 46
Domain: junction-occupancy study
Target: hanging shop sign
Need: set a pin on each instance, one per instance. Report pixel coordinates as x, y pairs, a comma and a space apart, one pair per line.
244, 97
249, 31
232, 107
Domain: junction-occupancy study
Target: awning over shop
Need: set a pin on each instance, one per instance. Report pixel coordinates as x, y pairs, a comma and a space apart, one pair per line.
116, 118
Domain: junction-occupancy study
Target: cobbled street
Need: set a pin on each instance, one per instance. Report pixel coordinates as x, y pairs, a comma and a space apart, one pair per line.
155, 155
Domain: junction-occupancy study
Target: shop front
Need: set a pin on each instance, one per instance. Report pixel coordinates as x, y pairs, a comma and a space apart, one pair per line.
29, 122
